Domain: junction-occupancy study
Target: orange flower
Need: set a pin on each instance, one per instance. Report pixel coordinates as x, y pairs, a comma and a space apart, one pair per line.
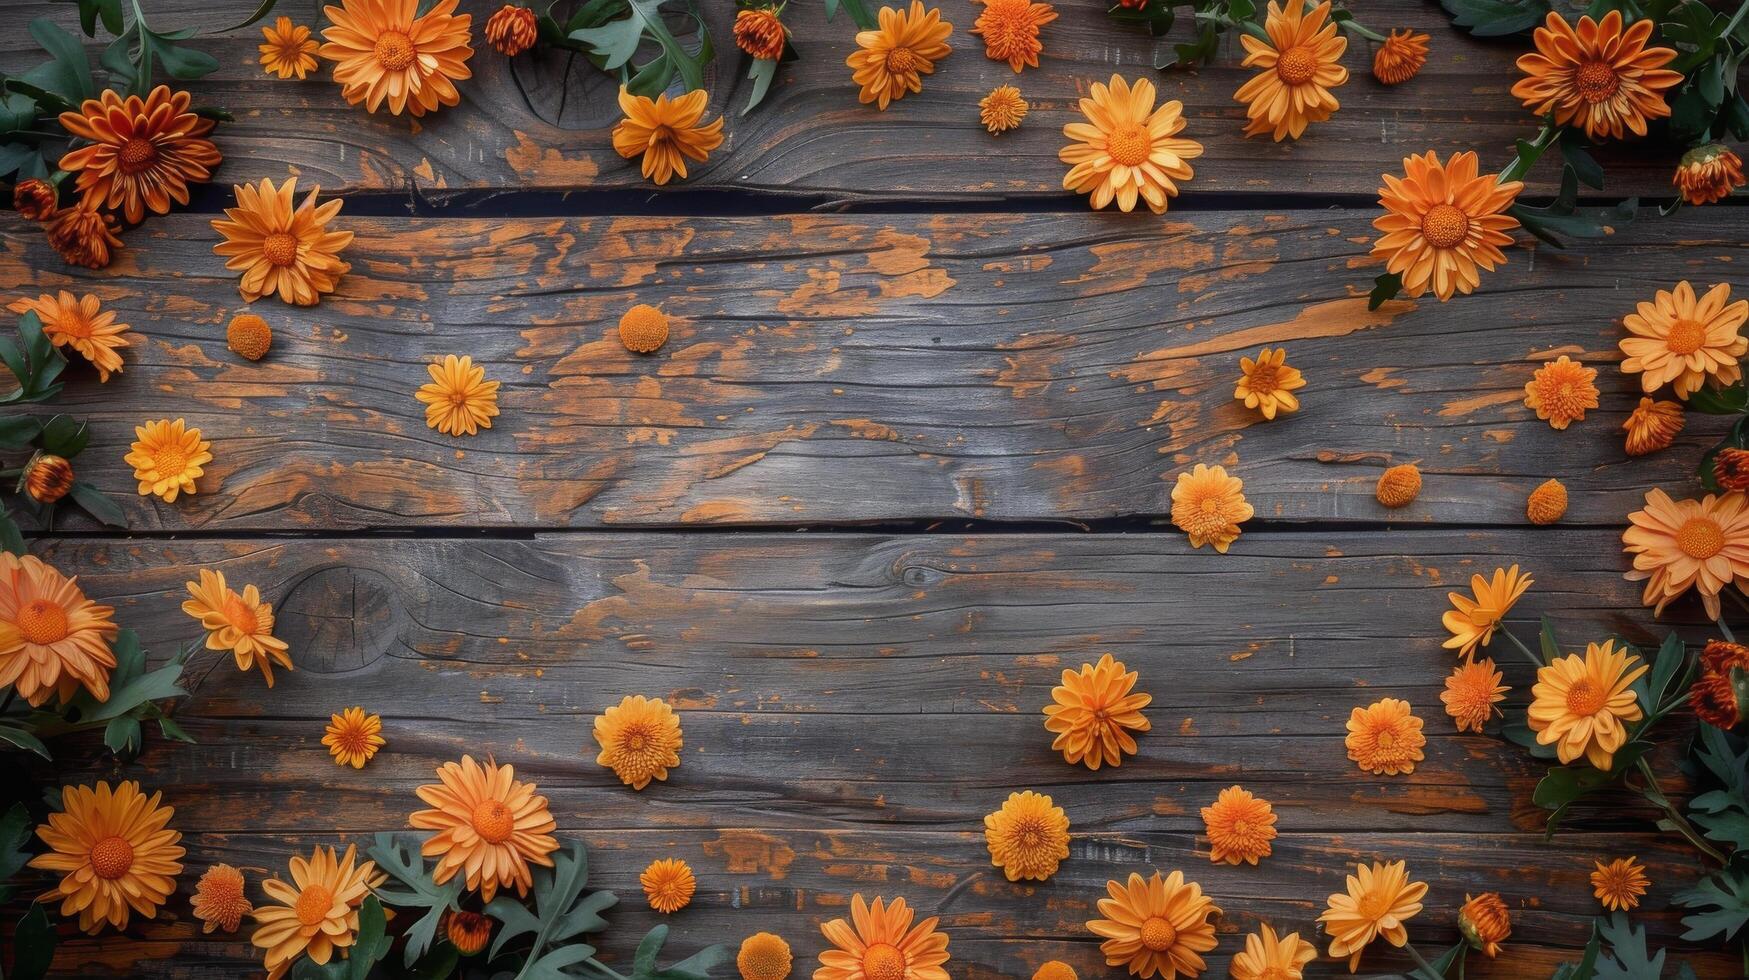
1731, 469
1400, 57
1597, 77
1377, 903
666, 133
289, 51
1485, 922
1547, 503
114, 851
1442, 222
1471, 622
1127, 149
353, 737
1706, 174
1240, 827
1208, 505
458, 400
640, 740
889, 63
1560, 391
1679, 339
1714, 694
879, 943
219, 899
489, 825
1027, 837
81, 324
643, 329
35, 199
1385, 739
1010, 30
1398, 485
317, 913
1301, 62
83, 235
47, 478
1652, 426
1584, 705
1471, 692
1268, 383
1268, 957
468, 932
240, 623
1055, 970
668, 885
1003, 109
761, 34
1093, 712
385, 49
763, 956
1156, 925
249, 336
511, 30
143, 154
1688, 544
279, 248
53, 640
1620, 883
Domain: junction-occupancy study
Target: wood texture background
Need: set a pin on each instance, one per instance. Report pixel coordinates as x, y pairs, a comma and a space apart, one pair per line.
949, 398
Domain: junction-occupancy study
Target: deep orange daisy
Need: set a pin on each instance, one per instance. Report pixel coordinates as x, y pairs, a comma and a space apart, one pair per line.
143, 153
288, 51
53, 640
889, 62
1010, 30
385, 50
280, 246
1092, 713
880, 943
1596, 76
1442, 222
1239, 826
115, 853
666, 133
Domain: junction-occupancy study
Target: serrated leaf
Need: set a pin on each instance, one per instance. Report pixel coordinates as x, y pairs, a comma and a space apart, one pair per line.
403, 863
761, 73
1628, 958
1722, 901
67, 73
122, 735
1496, 18
565, 910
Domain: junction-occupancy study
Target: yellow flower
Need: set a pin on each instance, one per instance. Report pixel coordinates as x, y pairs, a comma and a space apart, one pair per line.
1208, 505
82, 324
1378, 901
1156, 925
219, 899
53, 640
1385, 739
1442, 222
1398, 485
240, 623
890, 62
289, 49
1471, 692
879, 943
1688, 544
114, 851
317, 913
1485, 922
1093, 712
668, 885
459, 401
640, 740
1127, 149
1027, 837
280, 246
1240, 827
1652, 426
666, 133
1268, 957
1268, 383
353, 737
1003, 109
1301, 62
1597, 77
1547, 503
167, 458
1708, 173
1010, 30
1583, 705
387, 50
1472, 622
489, 825
1620, 883
1400, 57
1685, 341
763, 956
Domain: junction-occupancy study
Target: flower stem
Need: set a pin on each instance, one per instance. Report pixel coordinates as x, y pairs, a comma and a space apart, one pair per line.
1420, 961
1522, 163
1655, 795
1723, 629
1534, 659
1358, 29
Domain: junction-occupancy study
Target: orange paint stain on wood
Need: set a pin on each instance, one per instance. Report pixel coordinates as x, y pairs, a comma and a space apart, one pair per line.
751, 852
1031, 366
539, 164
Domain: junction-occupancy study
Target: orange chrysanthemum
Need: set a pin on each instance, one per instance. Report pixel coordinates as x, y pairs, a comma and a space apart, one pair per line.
1398, 485
1127, 149
35, 199
1156, 925
83, 235
761, 33
1028, 837
1400, 57
143, 153
1596, 77
640, 740
1472, 621
468, 932
1620, 883
386, 50
249, 336
1688, 544
489, 824
1268, 383
889, 63
53, 640
1471, 692
668, 885
1708, 173
879, 943
115, 852
458, 399
643, 329
1093, 712
511, 30
1685, 341
1240, 827
665, 132
1010, 30
1385, 739
1301, 62
317, 913
82, 324
1208, 505
1560, 391
1379, 899
1731, 469
1003, 109
1055, 970
289, 50
1269, 957
239, 622
763, 956
1714, 693
1547, 503
279, 248
219, 899
1485, 922
1583, 705
353, 737
1442, 222
1652, 426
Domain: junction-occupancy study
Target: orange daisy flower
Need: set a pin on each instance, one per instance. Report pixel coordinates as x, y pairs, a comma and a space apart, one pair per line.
1400, 57
1596, 77
1379, 900
353, 737
1003, 109
1010, 30
1708, 173
143, 153
1093, 712
1471, 692
1583, 705
240, 623
1268, 957
1560, 391
764, 956
1731, 469
668, 885
1301, 62
489, 824
1688, 544
1028, 837
317, 913
1684, 341
81, 324
1268, 383
1208, 506
640, 740
1547, 503
52, 639
1385, 739
115, 853
387, 50
289, 51
83, 235
468, 932
1055, 970
458, 400
1620, 883
48, 478
1652, 426
219, 899
879, 943
1472, 622
1240, 827
1127, 149
1442, 222
890, 62
666, 132
35, 199
1156, 925
279, 248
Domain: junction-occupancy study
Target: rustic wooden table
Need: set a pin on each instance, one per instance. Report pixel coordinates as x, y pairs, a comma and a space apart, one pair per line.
898, 335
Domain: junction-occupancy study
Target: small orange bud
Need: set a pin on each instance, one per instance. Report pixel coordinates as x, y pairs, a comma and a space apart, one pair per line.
468, 932
1485, 922
1547, 503
1055, 970
1714, 694
249, 336
643, 329
1400, 58
47, 478
36, 199
1708, 173
1399, 485
1731, 469
760, 33
511, 30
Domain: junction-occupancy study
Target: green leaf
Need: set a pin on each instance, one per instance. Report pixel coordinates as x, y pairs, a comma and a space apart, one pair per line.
1496, 18
93, 501
122, 735
1585, 167
565, 911
186, 64
401, 860
11, 540
1565, 785
33, 945
261, 10
858, 10
64, 436
1722, 904
91, 10
68, 73
15, 827
1384, 288
18, 738
17, 431
1733, 400
33, 361
371, 944
1586, 968
762, 72
1628, 958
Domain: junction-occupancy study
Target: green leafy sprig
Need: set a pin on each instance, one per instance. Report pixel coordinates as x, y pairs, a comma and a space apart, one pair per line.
134, 696
612, 33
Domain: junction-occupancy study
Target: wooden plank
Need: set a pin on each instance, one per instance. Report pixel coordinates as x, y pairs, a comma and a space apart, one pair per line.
870, 368
853, 705
542, 123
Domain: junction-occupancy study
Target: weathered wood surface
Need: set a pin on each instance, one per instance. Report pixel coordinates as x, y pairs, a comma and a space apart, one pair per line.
803, 666
871, 368
542, 123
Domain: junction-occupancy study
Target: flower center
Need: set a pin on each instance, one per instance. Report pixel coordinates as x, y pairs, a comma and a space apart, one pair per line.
1585, 698
1686, 337
493, 821
240, 615
42, 622
883, 961
394, 51
280, 247
1373, 905
901, 61
1386, 739
1241, 827
111, 858
1700, 538
169, 460
136, 155
1444, 226
313, 905
1262, 380
1596, 81
1297, 65
1158, 934
1129, 145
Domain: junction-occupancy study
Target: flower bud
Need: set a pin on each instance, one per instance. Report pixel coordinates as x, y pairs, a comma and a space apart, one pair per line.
47, 478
